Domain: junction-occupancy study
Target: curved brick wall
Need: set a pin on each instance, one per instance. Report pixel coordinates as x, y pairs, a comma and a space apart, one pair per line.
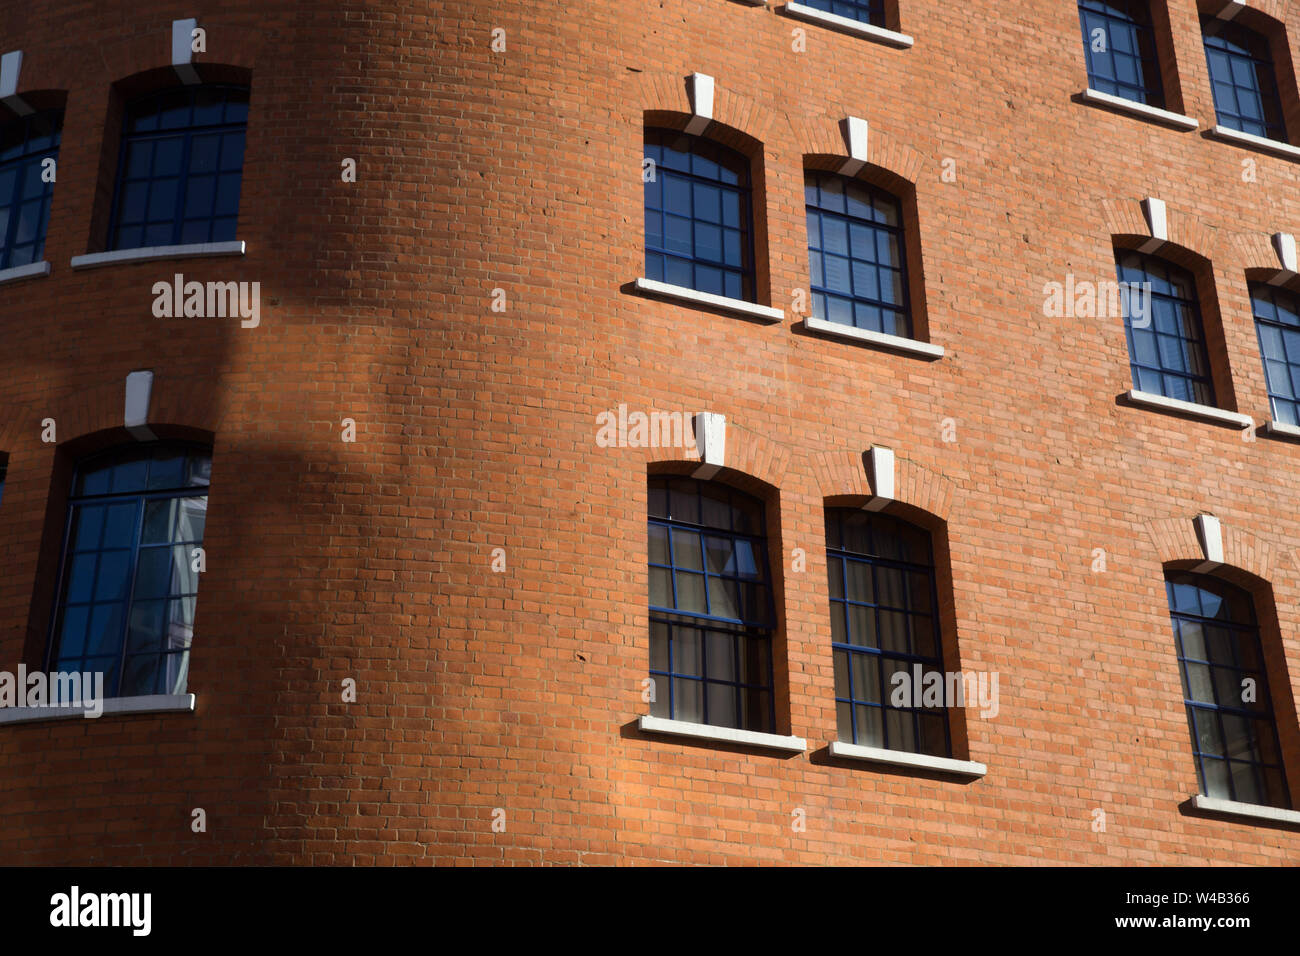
519, 690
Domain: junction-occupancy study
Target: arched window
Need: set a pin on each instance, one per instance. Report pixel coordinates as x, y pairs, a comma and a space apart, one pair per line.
1166, 338
884, 622
1243, 80
1225, 686
864, 11
128, 579
711, 612
1120, 47
697, 216
1277, 322
26, 185
856, 254
182, 161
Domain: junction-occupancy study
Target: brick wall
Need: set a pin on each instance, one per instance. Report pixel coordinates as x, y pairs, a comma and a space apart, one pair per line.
519, 690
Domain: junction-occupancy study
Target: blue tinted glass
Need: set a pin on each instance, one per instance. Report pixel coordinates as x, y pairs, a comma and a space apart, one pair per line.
864, 11
852, 227
1276, 311
116, 600
700, 188
162, 200
135, 197
28, 147
1167, 353
173, 145
232, 152
710, 605
1218, 643
1242, 79
1120, 51
204, 153
227, 203
167, 156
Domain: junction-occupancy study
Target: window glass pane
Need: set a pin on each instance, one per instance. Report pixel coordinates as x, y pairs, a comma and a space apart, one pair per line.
1216, 779
722, 703
661, 587
690, 593
900, 730
688, 701
866, 678
724, 598
73, 641
871, 727
841, 673
687, 651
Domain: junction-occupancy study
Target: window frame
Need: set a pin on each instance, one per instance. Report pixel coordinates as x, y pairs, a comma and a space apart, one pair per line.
1172, 270
15, 201
1276, 131
53, 640
903, 313
740, 629
1252, 630
658, 135
188, 133
1254, 288
1152, 88
876, 10
903, 661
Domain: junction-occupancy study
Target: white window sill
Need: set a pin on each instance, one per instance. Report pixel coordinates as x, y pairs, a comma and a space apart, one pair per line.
1250, 811
894, 343
24, 272
152, 253
900, 758
1283, 429
1139, 109
1206, 412
1259, 142
849, 25
152, 704
729, 735
683, 294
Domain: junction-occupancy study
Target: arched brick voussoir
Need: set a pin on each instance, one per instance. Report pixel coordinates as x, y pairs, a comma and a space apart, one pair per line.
1189, 238
128, 56
20, 426
918, 486
1253, 251
822, 136
746, 451
1273, 9
136, 55
844, 473
840, 473
1175, 540
177, 402
663, 92
82, 413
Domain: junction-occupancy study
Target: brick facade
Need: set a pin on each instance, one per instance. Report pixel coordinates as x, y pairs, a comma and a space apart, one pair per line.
520, 690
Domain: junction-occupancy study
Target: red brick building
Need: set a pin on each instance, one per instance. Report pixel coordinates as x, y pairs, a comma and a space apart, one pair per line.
426, 630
